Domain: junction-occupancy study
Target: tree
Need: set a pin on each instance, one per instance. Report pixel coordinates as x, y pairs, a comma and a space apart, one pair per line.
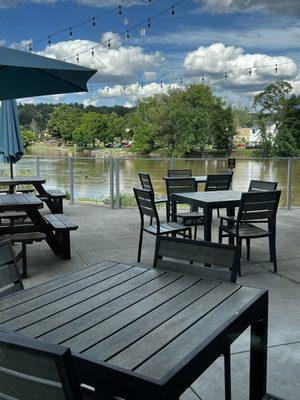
93, 126
223, 127
63, 121
28, 136
272, 104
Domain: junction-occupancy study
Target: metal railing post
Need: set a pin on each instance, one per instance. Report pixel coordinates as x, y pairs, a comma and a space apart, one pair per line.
117, 170
172, 164
37, 166
111, 183
71, 175
289, 184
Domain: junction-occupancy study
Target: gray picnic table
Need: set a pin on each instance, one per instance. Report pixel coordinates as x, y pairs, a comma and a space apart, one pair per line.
55, 227
53, 198
198, 179
143, 333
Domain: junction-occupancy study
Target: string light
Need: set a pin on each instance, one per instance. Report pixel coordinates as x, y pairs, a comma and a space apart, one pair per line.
94, 21
93, 53
127, 34
250, 71
77, 58
181, 81
161, 84
120, 10
124, 87
142, 85
30, 46
225, 75
70, 33
49, 39
108, 43
276, 69
149, 23
173, 10
202, 78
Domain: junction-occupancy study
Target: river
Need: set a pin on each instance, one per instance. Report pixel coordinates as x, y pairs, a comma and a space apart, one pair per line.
91, 174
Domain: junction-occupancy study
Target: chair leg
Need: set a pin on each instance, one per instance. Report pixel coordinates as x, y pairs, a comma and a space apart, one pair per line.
239, 243
168, 211
218, 212
24, 261
227, 373
220, 235
272, 245
248, 248
140, 245
195, 233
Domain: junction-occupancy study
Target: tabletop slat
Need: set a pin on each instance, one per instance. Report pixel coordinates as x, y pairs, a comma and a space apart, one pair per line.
21, 180
170, 356
144, 348
49, 304
65, 280
91, 328
131, 333
56, 324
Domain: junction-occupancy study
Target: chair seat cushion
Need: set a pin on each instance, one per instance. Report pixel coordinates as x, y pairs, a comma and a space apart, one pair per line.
166, 227
246, 231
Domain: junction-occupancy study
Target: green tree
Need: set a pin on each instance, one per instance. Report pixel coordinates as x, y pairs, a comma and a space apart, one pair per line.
63, 121
28, 136
223, 127
93, 126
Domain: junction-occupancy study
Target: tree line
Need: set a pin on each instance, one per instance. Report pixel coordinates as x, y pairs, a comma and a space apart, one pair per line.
176, 124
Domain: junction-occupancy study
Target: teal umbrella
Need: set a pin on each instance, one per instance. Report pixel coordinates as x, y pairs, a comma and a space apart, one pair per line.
25, 75
11, 142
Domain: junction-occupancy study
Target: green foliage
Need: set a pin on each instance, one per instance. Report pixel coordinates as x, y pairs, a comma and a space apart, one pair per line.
92, 126
243, 117
63, 121
28, 136
277, 106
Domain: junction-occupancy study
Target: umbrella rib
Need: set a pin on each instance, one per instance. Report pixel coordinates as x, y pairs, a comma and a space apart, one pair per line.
61, 79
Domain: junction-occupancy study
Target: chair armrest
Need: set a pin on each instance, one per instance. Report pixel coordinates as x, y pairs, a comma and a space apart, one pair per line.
229, 219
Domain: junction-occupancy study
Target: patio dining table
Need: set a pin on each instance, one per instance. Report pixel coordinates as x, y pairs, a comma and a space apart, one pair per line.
142, 333
198, 179
209, 201
35, 181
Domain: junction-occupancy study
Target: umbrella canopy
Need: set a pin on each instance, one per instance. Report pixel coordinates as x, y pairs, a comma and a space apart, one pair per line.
26, 75
11, 143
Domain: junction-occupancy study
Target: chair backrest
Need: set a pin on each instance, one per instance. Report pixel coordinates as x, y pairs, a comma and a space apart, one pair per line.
258, 206
262, 186
179, 172
219, 255
180, 185
10, 279
33, 370
218, 182
146, 204
146, 181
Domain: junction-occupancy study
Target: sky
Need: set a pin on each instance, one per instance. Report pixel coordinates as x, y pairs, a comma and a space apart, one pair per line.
236, 47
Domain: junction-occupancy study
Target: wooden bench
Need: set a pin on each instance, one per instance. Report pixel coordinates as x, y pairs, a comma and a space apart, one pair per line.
6, 191
62, 227
24, 239
56, 197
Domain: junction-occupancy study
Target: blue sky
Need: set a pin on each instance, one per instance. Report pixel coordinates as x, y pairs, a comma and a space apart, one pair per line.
203, 40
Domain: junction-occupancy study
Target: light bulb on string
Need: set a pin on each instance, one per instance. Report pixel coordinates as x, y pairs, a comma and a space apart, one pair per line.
149, 23
181, 81
161, 84
93, 53
250, 71
276, 69
49, 39
108, 43
127, 34
30, 46
202, 78
124, 87
77, 58
173, 10
142, 85
70, 33
225, 75
120, 10
107, 88
94, 21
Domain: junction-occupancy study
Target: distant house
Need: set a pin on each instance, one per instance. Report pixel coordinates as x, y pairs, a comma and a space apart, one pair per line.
252, 136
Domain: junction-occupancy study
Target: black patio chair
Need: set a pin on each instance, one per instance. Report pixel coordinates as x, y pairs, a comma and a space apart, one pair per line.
220, 181
184, 185
147, 207
171, 253
179, 172
31, 369
255, 208
261, 186
10, 279
147, 184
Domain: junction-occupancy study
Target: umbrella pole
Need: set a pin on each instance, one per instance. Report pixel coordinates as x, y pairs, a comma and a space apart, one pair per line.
11, 170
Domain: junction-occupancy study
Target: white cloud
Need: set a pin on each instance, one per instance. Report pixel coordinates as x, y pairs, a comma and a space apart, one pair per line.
149, 75
128, 104
14, 3
135, 91
279, 7
217, 59
119, 63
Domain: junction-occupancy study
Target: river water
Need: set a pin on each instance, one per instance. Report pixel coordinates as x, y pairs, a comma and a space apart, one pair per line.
91, 174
